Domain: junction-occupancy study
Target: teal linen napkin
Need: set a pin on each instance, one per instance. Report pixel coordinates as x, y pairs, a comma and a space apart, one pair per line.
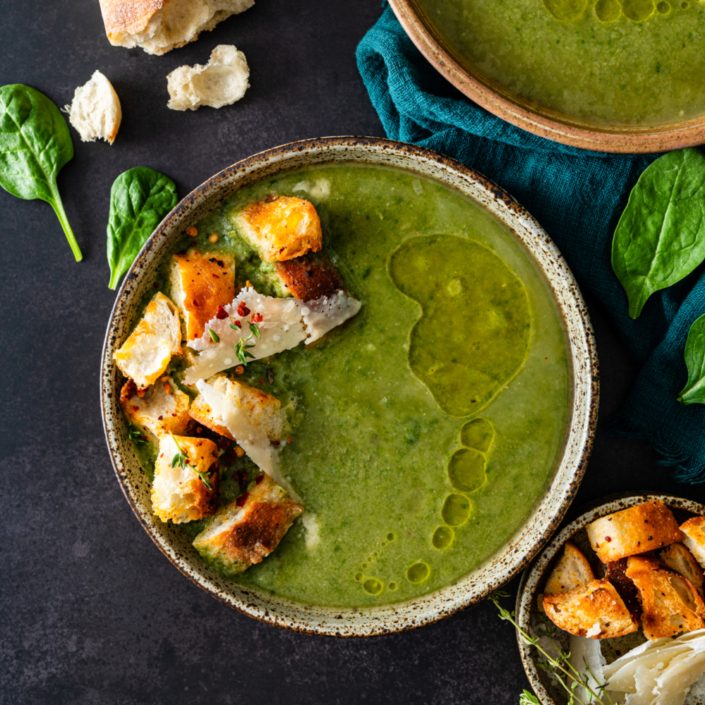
577, 196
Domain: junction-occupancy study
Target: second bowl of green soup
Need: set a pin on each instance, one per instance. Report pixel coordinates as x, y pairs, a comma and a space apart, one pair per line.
431, 442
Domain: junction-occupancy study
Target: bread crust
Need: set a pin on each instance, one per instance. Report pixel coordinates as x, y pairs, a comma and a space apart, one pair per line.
594, 610
310, 277
645, 527
128, 16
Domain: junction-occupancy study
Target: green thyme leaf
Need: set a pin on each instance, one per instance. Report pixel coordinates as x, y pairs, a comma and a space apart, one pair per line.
254, 329
214, 336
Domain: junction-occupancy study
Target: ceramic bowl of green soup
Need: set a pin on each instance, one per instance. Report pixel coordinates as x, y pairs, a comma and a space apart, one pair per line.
437, 437
610, 75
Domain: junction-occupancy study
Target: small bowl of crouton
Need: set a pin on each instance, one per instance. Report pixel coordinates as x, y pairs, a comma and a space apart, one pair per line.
613, 597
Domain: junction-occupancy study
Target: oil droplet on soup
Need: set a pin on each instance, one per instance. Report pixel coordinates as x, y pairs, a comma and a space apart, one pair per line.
467, 469
456, 509
373, 586
443, 537
478, 434
418, 572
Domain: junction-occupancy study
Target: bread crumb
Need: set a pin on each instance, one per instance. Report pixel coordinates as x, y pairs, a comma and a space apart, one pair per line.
222, 81
95, 112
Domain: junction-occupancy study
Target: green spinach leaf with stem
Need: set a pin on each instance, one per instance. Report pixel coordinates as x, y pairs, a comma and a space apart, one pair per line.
660, 237
35, 143
139, 198
694, 390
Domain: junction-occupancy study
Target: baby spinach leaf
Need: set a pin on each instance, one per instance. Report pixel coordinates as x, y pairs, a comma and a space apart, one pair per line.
660, 237
139, 199
694, 391
35, 144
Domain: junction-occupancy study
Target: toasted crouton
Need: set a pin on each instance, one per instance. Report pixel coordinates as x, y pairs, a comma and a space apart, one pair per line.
281, 228
594, 610
201, 412
694, 531
185, 478
310, 277
571, 571
200, 283
678, 558
246, 531
670, 604
638, 529
163, 408
146, 354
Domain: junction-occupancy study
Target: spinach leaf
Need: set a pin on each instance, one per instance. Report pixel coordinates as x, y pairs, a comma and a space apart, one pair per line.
660, 238
139, 199
35, 143
694, 391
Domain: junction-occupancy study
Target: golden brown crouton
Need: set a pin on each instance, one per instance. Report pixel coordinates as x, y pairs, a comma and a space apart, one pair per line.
146, 353
678, 558
163, 408
571, 571
246, 531
309, 277
281, 228
694, 530
670, 604
200, 284
594, 610
185, 478
638, 529
201, 412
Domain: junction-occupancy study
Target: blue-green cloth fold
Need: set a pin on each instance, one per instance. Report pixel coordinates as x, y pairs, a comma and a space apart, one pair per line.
577, 196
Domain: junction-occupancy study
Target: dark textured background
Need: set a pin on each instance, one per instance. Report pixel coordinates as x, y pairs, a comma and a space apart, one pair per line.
90, 612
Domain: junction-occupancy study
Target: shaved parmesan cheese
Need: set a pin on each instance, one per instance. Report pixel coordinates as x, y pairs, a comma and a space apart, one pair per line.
586, 656
313, 530
326, 313
660, 672
254, 424
279, 327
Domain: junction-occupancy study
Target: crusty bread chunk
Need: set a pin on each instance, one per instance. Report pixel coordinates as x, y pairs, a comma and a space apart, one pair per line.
163, 408
281, 228
200, 284
95, 111
185, 478
594, 610
201, 412
246, 531
571, 571
638, 529
158, 26
310, 277
678, 558
146, 353
670, 604
694, 539
222, 81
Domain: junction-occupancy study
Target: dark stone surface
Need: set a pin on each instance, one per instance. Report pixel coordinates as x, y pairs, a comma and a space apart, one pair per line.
90, 612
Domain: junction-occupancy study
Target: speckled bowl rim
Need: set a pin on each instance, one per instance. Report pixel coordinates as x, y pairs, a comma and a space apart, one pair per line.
618, 140
534, 576
546, 516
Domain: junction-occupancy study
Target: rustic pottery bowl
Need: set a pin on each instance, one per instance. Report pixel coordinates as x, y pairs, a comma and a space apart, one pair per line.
617, 139
527, 614
546, 515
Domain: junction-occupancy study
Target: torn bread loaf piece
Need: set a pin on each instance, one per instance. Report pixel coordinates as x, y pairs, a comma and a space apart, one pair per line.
201, 412
185, 479
670, 604
594, 610
246, 531
694, 538
158, 26
571, 571
200, 284
95, 111
645, 527
163, 408
146, 353
222, 81
281, 227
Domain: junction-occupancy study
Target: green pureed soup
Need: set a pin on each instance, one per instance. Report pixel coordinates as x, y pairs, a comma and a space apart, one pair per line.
601, 62
426, 429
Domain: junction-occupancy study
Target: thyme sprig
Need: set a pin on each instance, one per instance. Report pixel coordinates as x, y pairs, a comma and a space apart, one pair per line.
242, 347
558, 665
180, 460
